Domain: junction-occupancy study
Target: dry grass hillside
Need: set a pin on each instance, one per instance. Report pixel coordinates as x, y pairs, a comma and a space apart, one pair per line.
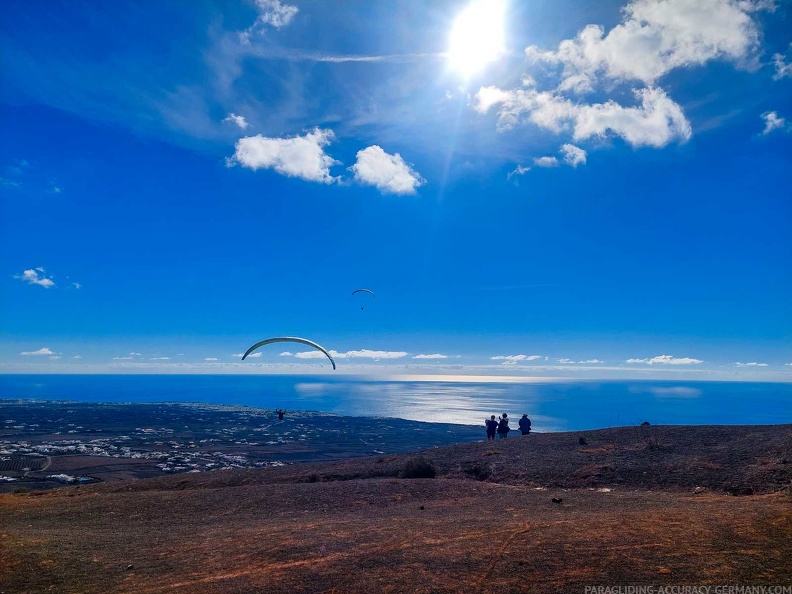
638, 505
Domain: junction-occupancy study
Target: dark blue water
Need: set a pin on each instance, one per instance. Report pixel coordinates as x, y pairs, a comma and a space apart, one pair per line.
551, 405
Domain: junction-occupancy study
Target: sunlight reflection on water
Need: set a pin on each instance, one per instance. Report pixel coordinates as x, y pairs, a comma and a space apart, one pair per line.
466, 404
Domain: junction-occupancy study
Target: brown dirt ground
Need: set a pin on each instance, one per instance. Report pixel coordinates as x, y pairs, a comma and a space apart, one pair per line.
353, 526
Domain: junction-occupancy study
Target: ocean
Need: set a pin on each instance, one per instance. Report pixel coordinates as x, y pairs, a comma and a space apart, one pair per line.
551, 405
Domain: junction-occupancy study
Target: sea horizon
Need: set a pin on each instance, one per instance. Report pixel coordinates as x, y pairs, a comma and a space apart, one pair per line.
552, 404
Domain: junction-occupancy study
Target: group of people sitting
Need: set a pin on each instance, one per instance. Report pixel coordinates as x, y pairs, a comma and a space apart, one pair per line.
501, 426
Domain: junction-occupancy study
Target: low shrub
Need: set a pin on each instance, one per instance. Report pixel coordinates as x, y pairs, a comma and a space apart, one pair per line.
481, 471
418, 467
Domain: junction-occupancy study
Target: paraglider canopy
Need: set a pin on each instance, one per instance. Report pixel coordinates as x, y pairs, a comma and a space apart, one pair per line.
304, 341
364, 291
369, 291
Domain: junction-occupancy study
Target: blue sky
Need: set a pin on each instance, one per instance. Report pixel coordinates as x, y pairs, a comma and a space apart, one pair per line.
538, 188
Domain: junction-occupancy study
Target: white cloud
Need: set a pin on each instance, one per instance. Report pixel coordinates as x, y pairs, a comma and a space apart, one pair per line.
211, 359
122, 358
55, 189
511, 359
237, 119
783, 69
272, 12
656, 121
565, 361
655, 37
55, 357
41, 351
546, 162
772, 122
433, 356
592, 361
77, 357
573, 155
250, 356
77, 285
136, 354
519, 171
361, 354
296, 156
159, 358
36, 277
667, 360
390, 174
752, 364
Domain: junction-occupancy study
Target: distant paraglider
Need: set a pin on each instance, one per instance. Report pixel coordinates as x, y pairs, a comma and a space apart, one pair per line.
364, 291
304, 341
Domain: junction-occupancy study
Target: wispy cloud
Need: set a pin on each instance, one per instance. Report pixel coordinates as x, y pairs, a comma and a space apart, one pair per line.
272, 13
36, 277
159, 358
361, 354
520, 170
514, 359
433, 356
783, 68
237, 120
40, 352
772, 122
295, 156
390, 174
211, 359
667, 360
752, 364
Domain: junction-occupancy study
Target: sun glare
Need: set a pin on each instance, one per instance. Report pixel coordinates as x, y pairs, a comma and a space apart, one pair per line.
477, 36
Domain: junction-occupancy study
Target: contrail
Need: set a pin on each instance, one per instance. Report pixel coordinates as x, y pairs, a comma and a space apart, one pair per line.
299, 56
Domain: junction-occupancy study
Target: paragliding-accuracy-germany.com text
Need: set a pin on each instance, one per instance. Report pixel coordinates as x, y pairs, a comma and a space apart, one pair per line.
729, 589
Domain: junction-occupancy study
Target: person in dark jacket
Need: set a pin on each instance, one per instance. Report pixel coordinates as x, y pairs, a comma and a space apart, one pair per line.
525, 425
503, 426
492, 427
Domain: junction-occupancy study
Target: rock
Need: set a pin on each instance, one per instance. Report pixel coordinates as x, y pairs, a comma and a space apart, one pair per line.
699, 490
557, 500
130, 566
582, 441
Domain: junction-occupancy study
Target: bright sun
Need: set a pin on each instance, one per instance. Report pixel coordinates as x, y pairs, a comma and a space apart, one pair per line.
477, 36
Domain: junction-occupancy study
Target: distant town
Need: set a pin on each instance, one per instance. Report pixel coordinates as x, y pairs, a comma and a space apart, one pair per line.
46, 444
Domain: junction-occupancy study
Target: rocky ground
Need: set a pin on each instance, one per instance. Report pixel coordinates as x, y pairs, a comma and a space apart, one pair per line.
541, 513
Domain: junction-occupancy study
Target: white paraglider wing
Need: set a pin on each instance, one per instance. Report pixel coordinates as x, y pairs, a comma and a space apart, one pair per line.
304, 341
